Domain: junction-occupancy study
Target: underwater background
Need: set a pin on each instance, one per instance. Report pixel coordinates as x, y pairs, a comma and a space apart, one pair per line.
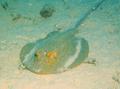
22, 22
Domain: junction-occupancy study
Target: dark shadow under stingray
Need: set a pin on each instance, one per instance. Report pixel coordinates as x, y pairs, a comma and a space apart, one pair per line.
58, 51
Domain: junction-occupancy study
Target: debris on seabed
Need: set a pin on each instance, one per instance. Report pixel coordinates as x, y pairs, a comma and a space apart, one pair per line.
47, 11
116, 77
17, 17
93, 61
4, 5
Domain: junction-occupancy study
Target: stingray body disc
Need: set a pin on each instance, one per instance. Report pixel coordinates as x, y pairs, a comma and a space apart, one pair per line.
56, 53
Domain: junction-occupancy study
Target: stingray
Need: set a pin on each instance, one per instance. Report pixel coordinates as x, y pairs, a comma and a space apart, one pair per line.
58, 51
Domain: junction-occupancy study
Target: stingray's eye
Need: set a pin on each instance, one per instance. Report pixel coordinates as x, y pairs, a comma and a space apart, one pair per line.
51, 54
37, 54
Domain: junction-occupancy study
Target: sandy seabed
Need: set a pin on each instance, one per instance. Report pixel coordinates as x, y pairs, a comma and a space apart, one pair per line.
21, 23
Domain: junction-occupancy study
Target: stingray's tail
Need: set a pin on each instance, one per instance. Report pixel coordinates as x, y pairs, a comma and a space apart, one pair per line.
81, 19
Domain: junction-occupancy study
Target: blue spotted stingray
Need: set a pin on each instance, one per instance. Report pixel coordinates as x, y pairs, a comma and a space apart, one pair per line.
58, 51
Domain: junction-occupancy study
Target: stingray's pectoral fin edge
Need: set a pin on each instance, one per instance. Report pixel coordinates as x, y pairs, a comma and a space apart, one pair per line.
84, 51
25, 50
53, 33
